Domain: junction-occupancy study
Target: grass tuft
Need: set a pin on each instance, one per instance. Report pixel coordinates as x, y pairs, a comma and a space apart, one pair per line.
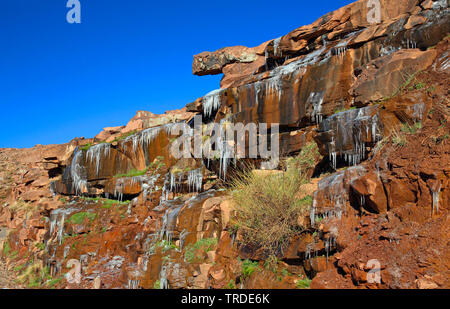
303, 283
248, 268
132, 173
196, 252
78, 218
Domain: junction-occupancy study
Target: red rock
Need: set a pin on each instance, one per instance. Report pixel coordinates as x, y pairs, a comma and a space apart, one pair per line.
371, 191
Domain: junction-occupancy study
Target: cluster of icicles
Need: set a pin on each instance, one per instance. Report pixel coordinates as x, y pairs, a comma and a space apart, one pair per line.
99, 153
194, 180
334, 190
355, 127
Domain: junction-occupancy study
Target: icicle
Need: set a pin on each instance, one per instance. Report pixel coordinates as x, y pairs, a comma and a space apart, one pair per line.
133, 284
226, 151
211, 102
57, 219
195, 180
332, 189
96, 152
79, 184
183, 235
118, 188
362, 201
312, 214
144, 138
258, 88
436, 194
274, 85
316, 99
378, 171
355, 126
276, 47
163, 282
66, 251
168, 222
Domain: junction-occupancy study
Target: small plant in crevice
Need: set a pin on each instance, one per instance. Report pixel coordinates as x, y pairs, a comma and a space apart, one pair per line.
248, 267
398, 139
40, 246
53, 282
165, 246
411, 129
231, 285
196, 252
303, 283
124, 136
132, 173
340, 110
271, 264
86, 147
157, 285
318, 219
306, 159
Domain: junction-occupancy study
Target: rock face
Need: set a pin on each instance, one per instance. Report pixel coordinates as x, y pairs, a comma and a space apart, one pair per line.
372, 95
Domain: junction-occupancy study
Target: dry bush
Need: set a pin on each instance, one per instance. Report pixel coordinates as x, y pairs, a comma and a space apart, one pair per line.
268, 208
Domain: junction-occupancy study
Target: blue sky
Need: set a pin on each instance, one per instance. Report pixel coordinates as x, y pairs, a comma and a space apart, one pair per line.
59, 81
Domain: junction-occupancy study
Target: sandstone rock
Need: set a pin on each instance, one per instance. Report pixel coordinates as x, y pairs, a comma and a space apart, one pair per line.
213, 62
109, 132
414, 21
144, 120
426, 284
371, 191
34, 195
218, 275
211, 256
226, 209
387, 74
200, 281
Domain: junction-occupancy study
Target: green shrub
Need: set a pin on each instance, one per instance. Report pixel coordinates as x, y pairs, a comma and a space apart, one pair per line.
267, 208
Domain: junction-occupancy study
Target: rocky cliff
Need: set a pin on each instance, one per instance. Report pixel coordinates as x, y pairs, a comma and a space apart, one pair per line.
120, 211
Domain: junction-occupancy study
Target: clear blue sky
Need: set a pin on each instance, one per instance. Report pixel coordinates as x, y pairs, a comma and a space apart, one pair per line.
59, 81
